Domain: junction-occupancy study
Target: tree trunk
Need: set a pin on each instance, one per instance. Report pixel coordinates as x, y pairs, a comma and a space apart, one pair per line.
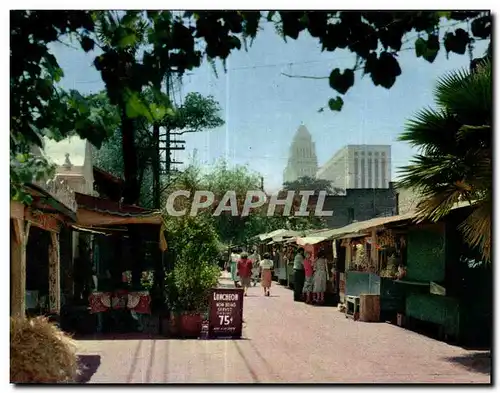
132, 189
156, 166
131, 192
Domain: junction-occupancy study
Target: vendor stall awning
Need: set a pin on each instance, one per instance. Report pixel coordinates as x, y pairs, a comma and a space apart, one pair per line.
357, 227
99, 212
86, 217
278, 233
302, 241
353, 235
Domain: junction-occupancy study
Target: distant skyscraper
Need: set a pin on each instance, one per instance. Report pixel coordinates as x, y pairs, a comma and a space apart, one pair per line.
302, 159
359, 166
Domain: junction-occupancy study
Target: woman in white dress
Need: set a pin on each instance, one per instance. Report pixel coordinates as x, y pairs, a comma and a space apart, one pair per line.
266, 266
320, 277
255, 258
233, 261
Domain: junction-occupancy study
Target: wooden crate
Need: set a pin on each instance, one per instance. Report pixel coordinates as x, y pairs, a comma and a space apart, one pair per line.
369, 308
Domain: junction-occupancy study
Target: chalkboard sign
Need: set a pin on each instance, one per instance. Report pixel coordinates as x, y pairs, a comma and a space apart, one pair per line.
226, 313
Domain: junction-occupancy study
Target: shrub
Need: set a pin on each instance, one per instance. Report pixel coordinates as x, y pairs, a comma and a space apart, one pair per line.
188, 286
40, 352
196, 247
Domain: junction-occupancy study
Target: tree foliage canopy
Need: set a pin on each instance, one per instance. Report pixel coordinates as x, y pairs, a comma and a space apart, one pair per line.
137, 49
455, 162
311, 184
197, 113
221, 178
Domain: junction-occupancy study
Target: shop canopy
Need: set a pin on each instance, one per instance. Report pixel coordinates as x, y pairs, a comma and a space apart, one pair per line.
94, 212
279, 233
356, 229
302, 241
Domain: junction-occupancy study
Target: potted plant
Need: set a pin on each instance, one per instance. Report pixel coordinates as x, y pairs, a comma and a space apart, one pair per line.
187, 286
188, 290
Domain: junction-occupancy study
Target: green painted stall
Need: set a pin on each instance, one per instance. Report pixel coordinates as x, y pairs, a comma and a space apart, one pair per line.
426, 264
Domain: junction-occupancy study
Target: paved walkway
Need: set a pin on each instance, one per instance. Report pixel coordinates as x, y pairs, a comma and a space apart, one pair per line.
286, 341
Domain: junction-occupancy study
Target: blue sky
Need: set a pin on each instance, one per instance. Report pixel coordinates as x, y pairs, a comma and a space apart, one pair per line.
263, 108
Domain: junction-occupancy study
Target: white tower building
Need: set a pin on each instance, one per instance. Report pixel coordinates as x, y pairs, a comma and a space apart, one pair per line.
302, 159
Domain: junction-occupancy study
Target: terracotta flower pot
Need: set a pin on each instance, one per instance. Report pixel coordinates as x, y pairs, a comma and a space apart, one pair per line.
185, 325
190, 325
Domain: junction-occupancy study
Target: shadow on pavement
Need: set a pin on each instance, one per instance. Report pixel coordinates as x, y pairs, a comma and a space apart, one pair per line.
227, 339
248, 365
119, 337
87, 366
479, 362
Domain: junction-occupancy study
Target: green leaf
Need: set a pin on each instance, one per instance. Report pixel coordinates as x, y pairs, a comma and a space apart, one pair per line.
420, 47
336, 104
432, 48
87, 43
481, 27
158, 112
135, 107
341, 82
53, 67
128, 40
235, 42
384, 70
444, 14
456, 42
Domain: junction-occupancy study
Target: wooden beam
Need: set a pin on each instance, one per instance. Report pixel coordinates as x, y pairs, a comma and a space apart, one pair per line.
16, 210
54, 274
47, 222
19, 243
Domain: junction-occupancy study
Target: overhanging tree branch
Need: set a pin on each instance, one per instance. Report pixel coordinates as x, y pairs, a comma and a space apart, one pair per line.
304, 76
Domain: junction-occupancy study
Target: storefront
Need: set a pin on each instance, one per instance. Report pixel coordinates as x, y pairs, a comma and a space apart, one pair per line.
35, 272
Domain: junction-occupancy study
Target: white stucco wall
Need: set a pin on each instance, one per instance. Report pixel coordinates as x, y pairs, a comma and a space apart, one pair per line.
407, 200
80, 175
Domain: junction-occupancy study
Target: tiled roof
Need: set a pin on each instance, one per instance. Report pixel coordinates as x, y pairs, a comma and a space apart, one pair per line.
102, 205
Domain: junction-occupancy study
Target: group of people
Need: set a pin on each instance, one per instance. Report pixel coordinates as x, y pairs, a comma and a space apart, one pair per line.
310, 277
246, 269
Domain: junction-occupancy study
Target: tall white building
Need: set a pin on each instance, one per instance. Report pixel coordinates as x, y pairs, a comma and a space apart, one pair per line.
302, 159
359, 166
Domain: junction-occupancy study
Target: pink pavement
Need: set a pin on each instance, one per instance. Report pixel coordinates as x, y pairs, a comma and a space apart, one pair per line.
286, 342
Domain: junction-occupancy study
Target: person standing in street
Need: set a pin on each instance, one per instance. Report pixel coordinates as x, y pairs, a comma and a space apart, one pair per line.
266, 267
298, 275
245, 271
255, 258
320, 277
233, 262
309, 278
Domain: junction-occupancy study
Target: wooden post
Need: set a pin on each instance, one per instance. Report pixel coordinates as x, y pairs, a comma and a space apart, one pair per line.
374, 251
54, 274
348, 255
19, 243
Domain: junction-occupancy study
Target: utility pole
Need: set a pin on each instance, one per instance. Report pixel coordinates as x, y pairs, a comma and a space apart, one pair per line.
168, 145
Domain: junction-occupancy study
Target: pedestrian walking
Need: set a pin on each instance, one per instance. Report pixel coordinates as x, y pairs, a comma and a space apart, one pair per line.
298, 275
233, 266
309, 278
245, 271
320, 277
255, 258
266, 267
